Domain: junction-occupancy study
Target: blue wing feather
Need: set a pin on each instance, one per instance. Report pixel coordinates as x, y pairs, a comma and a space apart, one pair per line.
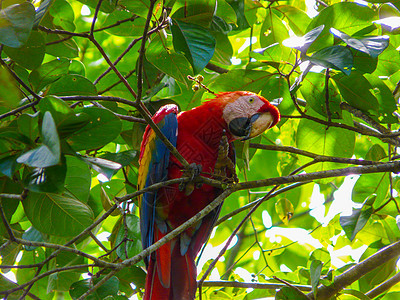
156, 169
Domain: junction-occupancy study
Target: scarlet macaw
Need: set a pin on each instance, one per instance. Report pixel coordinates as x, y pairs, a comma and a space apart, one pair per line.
198, 135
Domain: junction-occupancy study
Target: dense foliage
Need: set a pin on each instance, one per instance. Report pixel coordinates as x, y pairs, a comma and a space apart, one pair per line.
317, 194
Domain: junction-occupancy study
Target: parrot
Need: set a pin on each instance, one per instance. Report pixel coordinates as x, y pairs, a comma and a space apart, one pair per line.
204, 137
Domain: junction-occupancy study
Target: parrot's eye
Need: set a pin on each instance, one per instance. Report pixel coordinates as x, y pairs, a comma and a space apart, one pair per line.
251, 100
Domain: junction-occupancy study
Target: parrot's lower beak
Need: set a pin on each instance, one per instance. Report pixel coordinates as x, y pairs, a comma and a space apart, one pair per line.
260, 124
247, 128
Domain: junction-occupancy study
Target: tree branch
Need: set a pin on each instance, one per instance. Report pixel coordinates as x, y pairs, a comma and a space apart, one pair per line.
380, 168
317, 157
383, 287
357, 271
252, 285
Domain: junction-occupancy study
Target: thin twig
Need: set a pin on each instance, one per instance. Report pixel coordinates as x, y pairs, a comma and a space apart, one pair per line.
327, 107
96, 12
142, 51
317, 157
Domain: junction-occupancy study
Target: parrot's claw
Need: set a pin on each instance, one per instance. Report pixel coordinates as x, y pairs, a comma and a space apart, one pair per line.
192, 172
224, 165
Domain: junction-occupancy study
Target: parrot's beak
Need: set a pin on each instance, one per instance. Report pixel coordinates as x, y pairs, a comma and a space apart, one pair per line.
259, 124
248, 128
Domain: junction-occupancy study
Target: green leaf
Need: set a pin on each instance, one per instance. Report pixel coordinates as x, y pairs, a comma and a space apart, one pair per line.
288, 293
314, 90
346, 16
272, 30
134, 245
318, 139
59, 109
245, 80
388, 62
389, 17
223, 49
355, 222
31, 54
67, 122
48, 154
77, 67
355, 89
169, 62
27, 274
78, 179
370, 184
7, 284
16, 23
285, 210
363, 62
49, 179
63, 15
321, 255
9, 93
122, 159
357, 294
133, 28
198, 12
335, 57
56, 214
41, 11
129, 275
8, 165
72, 84
372, 45
302, 43
138, 7
109, 288
386, 100
298, 19
28, 126
195, 42
103, 166
376, 153
102, 128
106, 6
57, 46
48, 73
32, 235
315, 274
9, 254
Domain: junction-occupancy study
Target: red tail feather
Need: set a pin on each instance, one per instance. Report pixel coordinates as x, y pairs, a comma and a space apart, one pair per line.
182, 278
153, 288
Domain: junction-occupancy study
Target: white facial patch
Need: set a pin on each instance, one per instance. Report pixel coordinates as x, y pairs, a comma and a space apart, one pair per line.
244, 106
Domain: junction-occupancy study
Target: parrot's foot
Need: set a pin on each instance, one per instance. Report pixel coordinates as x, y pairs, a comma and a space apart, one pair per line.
224, 166
192, 172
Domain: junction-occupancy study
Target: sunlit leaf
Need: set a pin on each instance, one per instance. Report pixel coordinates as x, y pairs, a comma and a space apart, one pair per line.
284, 209
315, 274
355, 222
372, 45
302, 43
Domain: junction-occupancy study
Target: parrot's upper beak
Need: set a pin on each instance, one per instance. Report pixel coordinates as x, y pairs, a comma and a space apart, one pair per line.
247, 128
